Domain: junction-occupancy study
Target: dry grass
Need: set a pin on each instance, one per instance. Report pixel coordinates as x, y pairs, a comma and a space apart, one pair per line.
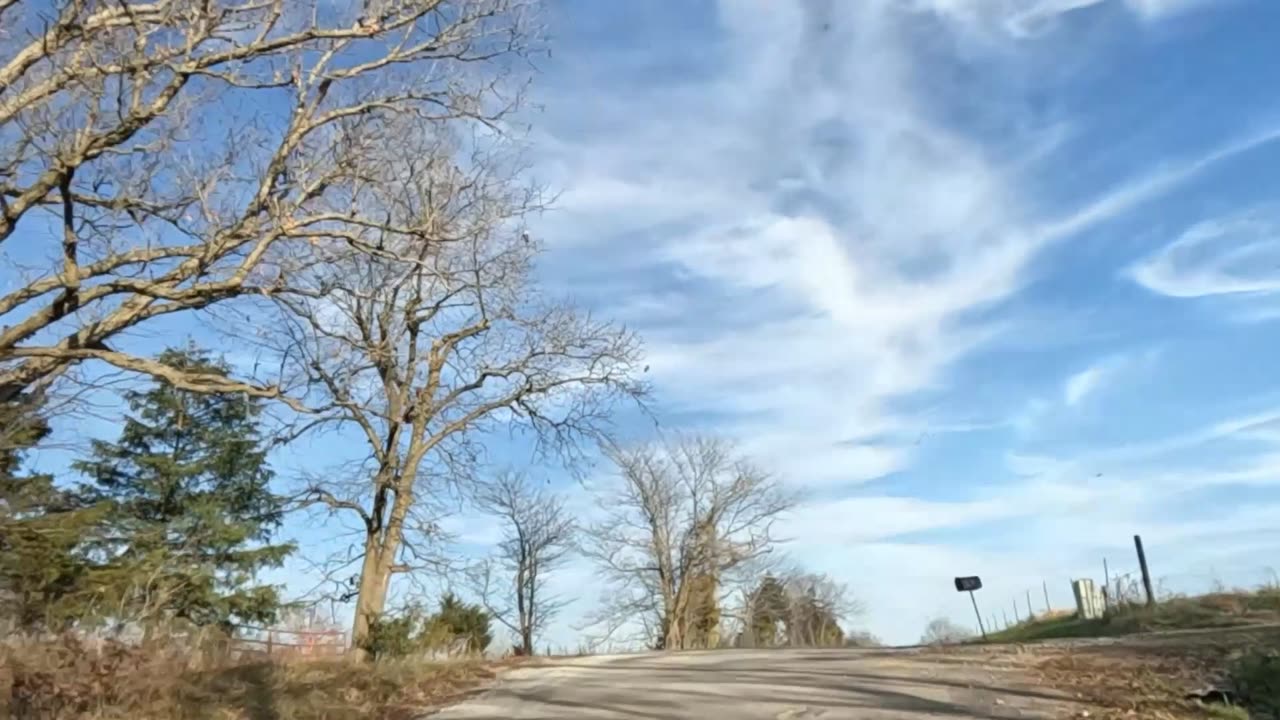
1152, 678
1215, 610
69, 681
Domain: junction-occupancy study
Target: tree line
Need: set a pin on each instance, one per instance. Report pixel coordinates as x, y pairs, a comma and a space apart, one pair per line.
334, 197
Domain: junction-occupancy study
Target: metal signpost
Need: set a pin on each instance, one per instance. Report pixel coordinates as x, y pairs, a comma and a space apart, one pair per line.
969, 584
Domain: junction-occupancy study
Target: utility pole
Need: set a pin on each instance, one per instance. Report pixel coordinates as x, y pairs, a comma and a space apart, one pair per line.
1146, 574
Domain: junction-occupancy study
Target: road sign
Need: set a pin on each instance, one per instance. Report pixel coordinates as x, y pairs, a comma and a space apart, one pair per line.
969, 584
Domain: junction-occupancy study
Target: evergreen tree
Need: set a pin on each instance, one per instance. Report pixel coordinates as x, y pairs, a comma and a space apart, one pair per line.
464, 621
188, 486
47, 577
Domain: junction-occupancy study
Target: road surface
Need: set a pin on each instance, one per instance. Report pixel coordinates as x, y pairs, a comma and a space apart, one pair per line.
767, 684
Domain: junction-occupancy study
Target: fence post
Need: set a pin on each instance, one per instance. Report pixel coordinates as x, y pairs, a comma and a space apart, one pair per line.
1106, 582
1146, 575
1048, 608
269, 636
1031, 614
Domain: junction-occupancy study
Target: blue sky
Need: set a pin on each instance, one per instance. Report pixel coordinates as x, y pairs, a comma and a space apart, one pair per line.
994, 283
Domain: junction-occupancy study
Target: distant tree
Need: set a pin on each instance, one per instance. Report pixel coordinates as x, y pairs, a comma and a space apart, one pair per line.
942, 631
798, 609
537, 534
188, 487
767, 613
862, 639
682, 515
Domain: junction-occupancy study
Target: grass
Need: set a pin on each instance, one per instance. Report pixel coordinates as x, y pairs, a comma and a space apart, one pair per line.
1255, 679
1215, 610
68, 681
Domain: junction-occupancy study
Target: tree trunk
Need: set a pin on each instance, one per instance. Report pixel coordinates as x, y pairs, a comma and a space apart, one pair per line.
371, 597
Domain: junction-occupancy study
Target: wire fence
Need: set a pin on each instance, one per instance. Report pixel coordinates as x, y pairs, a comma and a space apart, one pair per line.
1120, 580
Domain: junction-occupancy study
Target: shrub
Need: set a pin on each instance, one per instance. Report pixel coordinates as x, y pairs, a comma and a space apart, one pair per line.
1256, 680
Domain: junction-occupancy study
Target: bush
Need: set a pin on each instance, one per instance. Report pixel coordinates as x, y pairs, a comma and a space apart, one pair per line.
1256, 681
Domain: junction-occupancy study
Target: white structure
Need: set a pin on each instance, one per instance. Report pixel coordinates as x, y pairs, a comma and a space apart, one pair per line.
1089, 601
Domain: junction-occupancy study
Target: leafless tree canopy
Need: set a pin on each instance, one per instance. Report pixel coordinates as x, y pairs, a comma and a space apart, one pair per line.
423, 347
790, 606
537, 534
681, 516
162, 156
944, 631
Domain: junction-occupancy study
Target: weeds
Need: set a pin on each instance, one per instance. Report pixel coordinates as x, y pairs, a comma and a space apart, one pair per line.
1255, 678
72, 680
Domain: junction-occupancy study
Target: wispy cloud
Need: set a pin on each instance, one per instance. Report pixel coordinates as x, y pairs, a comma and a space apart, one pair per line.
1023, 19
811, 244
1082, 384
833, 237
1227, 256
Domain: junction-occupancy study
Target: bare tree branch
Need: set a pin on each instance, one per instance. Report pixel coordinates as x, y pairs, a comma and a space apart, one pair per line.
537, 535
683, 515
122, 120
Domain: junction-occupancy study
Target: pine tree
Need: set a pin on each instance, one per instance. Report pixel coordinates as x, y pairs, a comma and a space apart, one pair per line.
189, 488
48, 579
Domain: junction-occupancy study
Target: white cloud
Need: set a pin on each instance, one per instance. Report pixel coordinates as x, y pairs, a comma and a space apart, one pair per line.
1082, 384
841, 242
838, 237
1239, 255
1031, 18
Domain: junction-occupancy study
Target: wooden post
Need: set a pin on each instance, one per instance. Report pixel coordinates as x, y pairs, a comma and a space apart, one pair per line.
1015, 611
1146, 574
1031, 614
1006, 617
269, 634
1047, 607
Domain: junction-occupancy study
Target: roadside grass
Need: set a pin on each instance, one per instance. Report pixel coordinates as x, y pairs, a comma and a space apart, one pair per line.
1229, 675
1255, 681
71, 681
1215, 610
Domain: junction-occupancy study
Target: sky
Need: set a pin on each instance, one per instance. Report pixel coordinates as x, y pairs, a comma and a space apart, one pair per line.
994, 284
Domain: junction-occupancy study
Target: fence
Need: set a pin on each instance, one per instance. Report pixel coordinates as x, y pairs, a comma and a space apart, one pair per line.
277, 643
1120, 578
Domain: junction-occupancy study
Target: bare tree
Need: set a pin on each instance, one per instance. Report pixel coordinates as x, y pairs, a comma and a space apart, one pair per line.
425, 348
537, 534
681, 516
944, 631
778, 602
169, 155
816, 605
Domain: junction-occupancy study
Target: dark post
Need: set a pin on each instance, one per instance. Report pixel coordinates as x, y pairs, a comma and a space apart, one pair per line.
1047, 607
1031, 614
1146, 574
1106, 584
981, 628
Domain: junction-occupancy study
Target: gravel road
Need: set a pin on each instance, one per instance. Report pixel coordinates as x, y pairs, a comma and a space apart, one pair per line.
772, 684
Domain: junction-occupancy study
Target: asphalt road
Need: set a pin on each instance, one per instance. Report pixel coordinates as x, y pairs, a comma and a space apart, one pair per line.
772, 684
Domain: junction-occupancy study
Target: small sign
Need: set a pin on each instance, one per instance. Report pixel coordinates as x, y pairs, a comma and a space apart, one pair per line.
968, 584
